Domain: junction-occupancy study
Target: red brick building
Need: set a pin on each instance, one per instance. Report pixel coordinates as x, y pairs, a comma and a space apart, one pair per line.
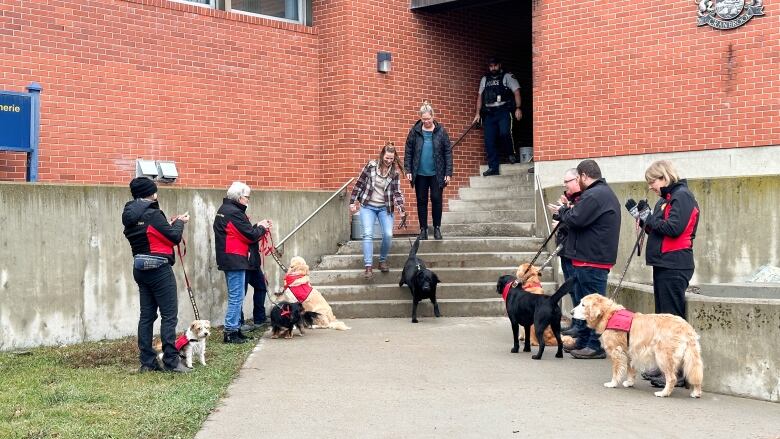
291, 97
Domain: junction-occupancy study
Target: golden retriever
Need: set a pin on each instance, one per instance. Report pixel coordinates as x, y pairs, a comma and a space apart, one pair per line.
664, 340
297, 281
531, 281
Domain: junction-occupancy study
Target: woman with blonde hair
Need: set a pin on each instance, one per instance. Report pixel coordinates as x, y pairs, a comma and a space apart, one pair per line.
377, 193
428, 162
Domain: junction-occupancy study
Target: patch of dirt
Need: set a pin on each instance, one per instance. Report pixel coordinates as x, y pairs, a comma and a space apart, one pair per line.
109, 353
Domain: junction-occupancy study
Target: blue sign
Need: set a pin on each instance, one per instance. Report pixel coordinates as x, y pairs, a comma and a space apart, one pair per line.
20, 125
15, 122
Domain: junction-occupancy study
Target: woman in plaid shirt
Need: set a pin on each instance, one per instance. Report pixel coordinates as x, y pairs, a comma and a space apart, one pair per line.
378, 192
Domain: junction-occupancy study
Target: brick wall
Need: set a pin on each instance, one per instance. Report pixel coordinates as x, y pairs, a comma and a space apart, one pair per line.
613, 80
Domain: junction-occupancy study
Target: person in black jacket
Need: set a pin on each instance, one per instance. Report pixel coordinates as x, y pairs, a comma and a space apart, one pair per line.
428, 163
571, 195
592, 242
671, 229
233, 234
152, 238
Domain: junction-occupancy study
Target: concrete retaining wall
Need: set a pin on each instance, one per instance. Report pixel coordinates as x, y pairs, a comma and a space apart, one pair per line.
738, 340
66, 268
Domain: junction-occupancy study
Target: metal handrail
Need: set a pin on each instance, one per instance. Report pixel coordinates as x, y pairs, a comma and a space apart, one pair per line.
544, 206
343, 186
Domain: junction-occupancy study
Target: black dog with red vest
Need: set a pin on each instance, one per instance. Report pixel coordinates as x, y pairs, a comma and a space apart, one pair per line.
285, 316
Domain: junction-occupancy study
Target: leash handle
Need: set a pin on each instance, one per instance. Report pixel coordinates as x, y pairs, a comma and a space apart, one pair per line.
186, 278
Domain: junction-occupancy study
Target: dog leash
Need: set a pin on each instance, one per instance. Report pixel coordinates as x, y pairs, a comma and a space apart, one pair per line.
186, 278
636, 249
544, 244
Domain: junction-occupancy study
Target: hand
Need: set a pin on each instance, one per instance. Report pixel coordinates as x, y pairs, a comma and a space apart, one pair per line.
266, 224
563, 200
476, 119
632, 209
354, 207
518, 113
446, 180
409, 176
644, 211
554, 208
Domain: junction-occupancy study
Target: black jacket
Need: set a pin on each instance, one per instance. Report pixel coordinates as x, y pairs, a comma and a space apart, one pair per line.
671, 228
442, 151
233, 234
148, 231
563, 229
594, 225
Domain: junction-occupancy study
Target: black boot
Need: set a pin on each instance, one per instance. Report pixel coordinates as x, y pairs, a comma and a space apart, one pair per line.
436, 232
660, 381
233, 338
423, 233
243, 336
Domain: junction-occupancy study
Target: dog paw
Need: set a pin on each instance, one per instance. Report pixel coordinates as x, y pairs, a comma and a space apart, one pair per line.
514, 350
415, 321
612, 384
696, 394
628, 383
526, 349
559, 355
536, 357
660, 394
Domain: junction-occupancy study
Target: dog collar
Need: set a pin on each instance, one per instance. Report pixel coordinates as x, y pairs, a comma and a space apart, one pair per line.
505, 293
532, 285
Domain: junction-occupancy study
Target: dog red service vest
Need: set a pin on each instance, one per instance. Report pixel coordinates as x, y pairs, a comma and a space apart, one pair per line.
181, 342
621, 320
301, 292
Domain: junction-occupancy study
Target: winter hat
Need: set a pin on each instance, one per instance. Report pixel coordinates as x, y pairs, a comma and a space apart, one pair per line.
142, 187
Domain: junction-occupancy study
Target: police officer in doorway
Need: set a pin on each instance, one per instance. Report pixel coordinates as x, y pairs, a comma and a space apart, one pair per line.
498, 100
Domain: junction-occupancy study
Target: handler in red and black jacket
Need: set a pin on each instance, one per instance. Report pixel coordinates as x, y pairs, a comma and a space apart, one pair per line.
594, 231
152, 239
670, 229
233, 234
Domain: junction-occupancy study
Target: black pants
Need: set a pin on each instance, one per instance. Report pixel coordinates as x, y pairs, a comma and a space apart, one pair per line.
423, 185
669, 287
256, 279
157, 288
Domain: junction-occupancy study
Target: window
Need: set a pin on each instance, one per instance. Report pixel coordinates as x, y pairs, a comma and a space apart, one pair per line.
284, 9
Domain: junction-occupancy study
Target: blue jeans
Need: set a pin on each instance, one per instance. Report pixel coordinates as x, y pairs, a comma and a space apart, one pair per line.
497, 127
589, 280
235, 298
368, 215
256, 279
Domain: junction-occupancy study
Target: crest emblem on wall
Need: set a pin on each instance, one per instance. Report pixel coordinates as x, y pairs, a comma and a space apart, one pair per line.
728, 14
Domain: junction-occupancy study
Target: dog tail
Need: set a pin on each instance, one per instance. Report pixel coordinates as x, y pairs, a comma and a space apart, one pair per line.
338, 325
415, 246
563, 290
309, 317
693, 368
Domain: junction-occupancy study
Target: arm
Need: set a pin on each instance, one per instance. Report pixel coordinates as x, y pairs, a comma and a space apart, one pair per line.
581, 214
245, 228
398, 197
447, 145
479, 108
360, 185
409, 154
518, 111
171, 232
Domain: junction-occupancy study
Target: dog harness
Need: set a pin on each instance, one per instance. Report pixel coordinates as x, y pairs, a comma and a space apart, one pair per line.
183, 341
302, 291
621, 320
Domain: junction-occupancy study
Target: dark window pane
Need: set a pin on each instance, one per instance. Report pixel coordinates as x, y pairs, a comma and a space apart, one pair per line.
287, 9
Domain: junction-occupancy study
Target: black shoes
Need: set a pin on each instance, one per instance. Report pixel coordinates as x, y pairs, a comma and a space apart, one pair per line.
490, 172
588, 354
145, 368
571, 332
660, 381
436, 232
180, 368
423, 233
652, 374
233, 337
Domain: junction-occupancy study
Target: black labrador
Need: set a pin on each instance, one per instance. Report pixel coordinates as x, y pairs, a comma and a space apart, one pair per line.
421, 281
285, 316
526, 309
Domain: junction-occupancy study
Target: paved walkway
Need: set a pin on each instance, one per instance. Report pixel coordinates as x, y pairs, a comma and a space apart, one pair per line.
455, 378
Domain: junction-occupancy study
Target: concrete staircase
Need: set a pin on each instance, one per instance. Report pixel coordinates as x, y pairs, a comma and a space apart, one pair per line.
487, 232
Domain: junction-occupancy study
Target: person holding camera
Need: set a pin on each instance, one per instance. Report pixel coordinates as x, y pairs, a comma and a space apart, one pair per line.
233, 235
671, 229
570, 196
428, 163
152, 238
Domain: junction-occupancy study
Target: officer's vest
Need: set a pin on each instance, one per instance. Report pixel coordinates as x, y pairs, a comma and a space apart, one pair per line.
495, 91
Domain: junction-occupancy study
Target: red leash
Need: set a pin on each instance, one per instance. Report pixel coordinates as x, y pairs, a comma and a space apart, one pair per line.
187, 279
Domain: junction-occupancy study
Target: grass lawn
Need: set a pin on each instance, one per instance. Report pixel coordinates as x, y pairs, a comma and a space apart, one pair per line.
93, 390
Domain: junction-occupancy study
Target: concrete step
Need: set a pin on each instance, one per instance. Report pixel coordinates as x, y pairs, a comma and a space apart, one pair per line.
473, 290
507, 169
435, 260
502, 181
450, 275
488, 229
516, 203
488, 216
477, 194
451, 245
403, 308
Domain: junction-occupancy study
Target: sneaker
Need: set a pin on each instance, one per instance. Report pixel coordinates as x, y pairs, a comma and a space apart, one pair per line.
436, 233
244, 336
423, 233
233, 338
571, 332
180, 368
368, 274
490, 172
652, 374
588, 354
383, 267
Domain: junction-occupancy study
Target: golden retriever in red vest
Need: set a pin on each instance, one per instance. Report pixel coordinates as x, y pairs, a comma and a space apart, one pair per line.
297, 281
640, 341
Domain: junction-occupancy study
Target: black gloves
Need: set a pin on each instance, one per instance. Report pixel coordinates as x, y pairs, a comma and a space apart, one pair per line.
639, 211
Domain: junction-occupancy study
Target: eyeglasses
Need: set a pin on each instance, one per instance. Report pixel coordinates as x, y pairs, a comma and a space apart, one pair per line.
569, 180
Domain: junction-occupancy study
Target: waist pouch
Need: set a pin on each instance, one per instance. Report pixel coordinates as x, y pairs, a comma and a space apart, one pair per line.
148, 262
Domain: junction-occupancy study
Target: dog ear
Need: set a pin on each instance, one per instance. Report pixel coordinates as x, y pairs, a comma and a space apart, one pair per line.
435, 278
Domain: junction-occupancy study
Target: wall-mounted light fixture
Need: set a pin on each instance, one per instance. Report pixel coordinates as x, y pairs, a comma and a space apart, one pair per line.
383, 62
167, 171
163, 171
145, 168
